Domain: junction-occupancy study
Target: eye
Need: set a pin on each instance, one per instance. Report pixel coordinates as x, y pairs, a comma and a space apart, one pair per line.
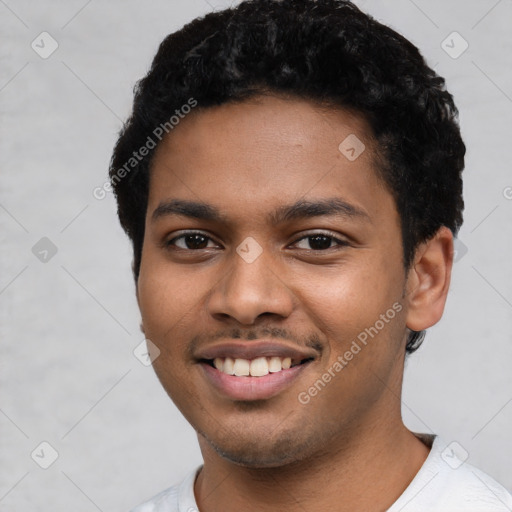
196, 240
320, 242
191, 240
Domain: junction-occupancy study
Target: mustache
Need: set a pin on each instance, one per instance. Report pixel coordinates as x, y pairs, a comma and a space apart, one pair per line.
262, 333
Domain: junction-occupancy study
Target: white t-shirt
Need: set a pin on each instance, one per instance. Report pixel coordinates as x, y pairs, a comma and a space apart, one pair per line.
445, 483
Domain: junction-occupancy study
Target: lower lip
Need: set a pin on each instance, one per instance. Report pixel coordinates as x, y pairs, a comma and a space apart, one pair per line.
251, 388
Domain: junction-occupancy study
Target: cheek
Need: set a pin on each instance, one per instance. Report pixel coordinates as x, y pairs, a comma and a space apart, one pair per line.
166, 301
349, 293
167, 292
156, 305
351, 299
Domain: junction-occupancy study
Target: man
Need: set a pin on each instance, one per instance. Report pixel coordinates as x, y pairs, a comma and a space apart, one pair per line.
290, 178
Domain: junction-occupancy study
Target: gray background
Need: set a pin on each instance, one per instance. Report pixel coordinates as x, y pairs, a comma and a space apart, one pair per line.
69, 325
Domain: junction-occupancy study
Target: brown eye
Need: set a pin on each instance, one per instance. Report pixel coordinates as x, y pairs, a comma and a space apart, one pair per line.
190, 241
320, 242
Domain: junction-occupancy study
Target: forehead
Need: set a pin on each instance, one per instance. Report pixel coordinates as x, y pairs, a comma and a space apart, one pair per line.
285, 122
266, 151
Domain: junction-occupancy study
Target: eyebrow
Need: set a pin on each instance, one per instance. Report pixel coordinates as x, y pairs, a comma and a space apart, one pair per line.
301, 209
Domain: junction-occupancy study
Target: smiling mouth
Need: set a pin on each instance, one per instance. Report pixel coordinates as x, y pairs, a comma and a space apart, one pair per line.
258, 367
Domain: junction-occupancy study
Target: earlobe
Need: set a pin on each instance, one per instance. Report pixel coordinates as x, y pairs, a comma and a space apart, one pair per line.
428, 281
138, 303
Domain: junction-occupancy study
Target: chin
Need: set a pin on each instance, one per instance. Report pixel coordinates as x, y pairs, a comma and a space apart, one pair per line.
261, 451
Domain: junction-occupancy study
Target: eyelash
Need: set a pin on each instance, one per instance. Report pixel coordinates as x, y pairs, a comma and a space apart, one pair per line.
340, 243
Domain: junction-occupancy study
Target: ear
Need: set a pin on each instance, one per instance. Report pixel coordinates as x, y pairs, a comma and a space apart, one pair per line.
138, 301
428, 281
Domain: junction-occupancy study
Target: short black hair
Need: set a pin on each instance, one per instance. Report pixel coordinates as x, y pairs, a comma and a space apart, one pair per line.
325, 51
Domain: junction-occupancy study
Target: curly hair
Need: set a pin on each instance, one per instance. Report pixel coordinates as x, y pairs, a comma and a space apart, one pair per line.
326, 51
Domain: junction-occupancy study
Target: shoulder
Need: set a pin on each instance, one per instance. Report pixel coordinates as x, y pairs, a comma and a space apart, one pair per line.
468, 488
178, 498
165, 501
447, 483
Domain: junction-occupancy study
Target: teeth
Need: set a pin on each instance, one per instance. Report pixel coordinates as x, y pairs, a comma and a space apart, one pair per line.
242, 367
229, 366
258, 367
274, 365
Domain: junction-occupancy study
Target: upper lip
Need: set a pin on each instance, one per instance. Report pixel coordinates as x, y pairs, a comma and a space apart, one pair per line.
255, 349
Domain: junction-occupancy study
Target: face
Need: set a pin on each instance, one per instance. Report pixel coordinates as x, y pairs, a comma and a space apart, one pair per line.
270, 250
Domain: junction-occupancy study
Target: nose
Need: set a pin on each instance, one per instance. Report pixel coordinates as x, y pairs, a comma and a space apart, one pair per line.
250, 289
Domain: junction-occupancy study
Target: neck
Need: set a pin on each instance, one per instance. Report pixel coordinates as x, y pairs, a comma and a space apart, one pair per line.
366, 471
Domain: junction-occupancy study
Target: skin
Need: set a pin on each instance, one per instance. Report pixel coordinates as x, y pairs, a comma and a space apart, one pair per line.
268, 454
